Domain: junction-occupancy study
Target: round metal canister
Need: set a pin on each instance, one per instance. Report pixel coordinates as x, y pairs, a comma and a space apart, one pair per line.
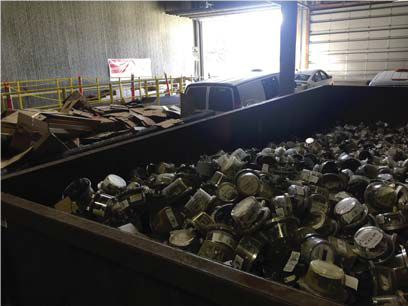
368, 170
230, 165
164, 179
246, 253
357, 184
390, 300
184, 239
217, 178
386, 177
248, 182
325, 279
380, 196
112, 184
164, 221
282, 206
198, 202
372, 242
349, 210
329, 166
101, 205
319, 203
215, 251
402, 197
246, 212
175, 189
265, 190
321, 223
314, 247
223, 237
205, 168
163, 167
80, 191
202, 221
227, 192
332, 181
219, 244
280, 229
392, 221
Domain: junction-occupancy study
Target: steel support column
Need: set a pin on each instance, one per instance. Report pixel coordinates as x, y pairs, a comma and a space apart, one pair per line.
198, 43
288, 47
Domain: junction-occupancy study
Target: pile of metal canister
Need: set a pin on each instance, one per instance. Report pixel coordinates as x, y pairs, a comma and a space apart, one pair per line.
328, 214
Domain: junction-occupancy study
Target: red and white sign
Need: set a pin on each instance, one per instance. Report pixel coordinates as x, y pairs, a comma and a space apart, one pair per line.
125, 67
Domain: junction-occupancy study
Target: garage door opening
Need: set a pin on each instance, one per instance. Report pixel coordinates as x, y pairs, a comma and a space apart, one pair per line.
237, 44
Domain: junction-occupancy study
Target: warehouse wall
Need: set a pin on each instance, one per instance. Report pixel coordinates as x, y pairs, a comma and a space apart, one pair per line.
355, 43
57, 39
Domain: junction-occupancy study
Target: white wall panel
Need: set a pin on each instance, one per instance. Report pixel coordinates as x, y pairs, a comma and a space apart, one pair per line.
357, 42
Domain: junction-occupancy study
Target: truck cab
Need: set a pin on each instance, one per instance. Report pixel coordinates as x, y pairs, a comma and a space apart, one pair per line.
221, 95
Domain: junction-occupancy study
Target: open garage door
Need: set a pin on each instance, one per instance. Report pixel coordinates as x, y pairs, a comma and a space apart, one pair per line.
236, 44
355, 43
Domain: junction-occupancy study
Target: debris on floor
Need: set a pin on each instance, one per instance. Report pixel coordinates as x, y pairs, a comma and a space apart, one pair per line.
31, 135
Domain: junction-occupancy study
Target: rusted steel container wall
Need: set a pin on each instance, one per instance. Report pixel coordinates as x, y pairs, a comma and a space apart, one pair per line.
53, 258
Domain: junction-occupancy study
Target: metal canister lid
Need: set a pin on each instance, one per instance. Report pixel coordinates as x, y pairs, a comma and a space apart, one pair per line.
247, 252
326, 279
317, 248
380, 196
182, 238
371, 242
175, 188
198, 202
246, 212
282, 205
248, 182
227, 192
112, 184
223, 237
349, 210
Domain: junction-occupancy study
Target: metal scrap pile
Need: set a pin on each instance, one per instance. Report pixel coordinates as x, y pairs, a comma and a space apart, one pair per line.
327, 215
30, 136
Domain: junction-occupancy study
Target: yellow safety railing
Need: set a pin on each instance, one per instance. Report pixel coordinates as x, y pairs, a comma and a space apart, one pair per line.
57, 90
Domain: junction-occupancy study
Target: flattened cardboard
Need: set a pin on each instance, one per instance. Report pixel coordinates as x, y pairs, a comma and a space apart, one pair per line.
15, 158
168, 123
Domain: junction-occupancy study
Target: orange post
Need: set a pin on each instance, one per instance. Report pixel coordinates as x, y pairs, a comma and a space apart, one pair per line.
9, 99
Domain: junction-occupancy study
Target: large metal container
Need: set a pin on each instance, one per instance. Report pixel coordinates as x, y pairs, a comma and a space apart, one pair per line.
53, 258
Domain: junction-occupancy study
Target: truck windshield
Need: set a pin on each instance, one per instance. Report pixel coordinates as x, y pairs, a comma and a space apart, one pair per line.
220, 99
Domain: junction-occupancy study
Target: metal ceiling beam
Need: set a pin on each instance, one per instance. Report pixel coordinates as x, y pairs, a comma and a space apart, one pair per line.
218, 11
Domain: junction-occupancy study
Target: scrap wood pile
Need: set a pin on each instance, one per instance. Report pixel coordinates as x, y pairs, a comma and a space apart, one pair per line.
30, 136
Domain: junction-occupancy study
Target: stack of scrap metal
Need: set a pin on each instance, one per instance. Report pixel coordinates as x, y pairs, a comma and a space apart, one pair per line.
31, 136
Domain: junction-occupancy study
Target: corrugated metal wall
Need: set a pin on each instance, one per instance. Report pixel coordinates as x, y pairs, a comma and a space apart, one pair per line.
56, 39
357, 42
